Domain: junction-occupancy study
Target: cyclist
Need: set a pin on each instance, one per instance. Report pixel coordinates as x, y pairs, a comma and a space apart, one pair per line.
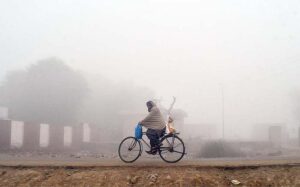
155, 125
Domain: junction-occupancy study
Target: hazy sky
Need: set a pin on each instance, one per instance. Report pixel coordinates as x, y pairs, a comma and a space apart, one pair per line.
183, 48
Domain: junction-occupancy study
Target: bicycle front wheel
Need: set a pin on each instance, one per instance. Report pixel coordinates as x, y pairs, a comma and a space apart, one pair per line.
130, 149
172, 149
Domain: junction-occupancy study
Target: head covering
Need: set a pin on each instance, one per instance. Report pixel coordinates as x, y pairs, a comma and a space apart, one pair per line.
150, 105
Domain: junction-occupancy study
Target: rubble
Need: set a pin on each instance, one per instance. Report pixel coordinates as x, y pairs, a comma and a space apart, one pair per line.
235, 182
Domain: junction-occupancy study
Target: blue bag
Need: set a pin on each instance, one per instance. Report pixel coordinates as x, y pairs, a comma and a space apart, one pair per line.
138, 131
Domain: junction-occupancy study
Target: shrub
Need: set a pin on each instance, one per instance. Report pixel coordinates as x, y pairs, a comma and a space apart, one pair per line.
217, 149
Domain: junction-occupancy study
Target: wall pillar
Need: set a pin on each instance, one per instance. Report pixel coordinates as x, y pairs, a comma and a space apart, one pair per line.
5, 134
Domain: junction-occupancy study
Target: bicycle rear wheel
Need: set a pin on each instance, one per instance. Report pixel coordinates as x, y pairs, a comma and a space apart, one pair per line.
130, 149
172, 149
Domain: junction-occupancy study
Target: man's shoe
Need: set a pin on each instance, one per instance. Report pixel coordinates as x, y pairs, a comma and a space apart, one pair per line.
152, 152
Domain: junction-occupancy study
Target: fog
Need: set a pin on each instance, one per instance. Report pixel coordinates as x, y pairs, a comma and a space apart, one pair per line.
194, 50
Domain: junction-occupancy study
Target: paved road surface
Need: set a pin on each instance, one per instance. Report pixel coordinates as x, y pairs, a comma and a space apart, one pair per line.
155, 162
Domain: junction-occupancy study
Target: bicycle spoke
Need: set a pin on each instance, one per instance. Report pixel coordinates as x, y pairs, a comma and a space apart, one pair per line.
168, 142
178, 152
177, 145
164, 147
173, 139
164, 151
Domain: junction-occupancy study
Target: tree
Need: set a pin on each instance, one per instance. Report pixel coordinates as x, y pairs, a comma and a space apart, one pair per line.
47, 92
107, 100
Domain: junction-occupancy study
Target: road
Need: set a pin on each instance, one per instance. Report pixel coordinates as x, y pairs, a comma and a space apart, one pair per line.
143, 162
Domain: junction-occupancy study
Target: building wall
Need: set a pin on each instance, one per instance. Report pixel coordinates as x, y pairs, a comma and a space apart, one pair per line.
31, 136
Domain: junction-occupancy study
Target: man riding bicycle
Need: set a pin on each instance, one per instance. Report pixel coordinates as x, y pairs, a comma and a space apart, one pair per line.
169, 146
155, 125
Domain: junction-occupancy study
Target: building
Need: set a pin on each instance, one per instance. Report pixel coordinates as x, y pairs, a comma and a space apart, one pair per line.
3, 113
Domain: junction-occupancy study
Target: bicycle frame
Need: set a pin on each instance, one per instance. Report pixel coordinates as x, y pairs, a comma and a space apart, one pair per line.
167, 145
145, 142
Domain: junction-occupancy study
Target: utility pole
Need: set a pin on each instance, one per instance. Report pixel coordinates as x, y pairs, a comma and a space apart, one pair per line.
223, 123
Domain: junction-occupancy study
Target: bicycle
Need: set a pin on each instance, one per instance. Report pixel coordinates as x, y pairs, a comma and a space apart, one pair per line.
171, 148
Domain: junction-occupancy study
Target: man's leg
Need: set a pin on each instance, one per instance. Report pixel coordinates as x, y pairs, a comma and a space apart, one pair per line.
154, 140
151, 134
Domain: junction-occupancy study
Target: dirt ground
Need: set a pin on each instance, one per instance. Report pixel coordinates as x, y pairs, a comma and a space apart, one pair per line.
150, 176
151, 172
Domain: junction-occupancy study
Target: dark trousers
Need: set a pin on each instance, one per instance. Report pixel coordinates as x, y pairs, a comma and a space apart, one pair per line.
154, 136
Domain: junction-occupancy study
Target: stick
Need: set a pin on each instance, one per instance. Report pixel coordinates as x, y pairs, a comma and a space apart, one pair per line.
171, 106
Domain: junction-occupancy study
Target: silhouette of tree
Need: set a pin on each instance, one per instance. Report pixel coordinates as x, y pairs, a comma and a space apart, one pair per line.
47, 92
